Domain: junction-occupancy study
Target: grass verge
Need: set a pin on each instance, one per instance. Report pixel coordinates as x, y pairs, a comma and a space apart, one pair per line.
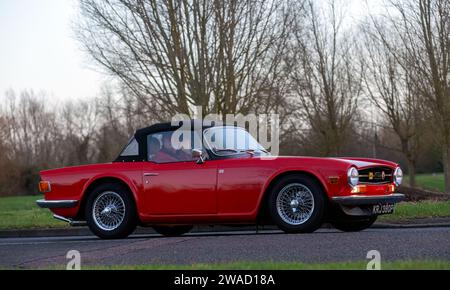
416, 210
21, 212
431, 181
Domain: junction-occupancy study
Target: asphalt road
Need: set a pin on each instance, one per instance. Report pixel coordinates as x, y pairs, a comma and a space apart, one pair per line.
325, 245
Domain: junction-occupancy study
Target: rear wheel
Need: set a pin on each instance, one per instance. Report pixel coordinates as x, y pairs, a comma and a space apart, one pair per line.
354, 224
110, 211
172, 231
297, 204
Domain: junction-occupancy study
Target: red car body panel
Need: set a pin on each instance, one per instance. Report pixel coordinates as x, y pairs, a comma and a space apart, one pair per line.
217, 191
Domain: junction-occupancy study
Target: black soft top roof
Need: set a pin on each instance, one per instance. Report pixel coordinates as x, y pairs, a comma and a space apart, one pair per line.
163, 127
141, 135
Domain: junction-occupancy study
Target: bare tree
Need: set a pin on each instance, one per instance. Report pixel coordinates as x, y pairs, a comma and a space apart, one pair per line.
173, 55
390, 85
112, 131
423, 29
326, 79
79, 122
36, 134
31, 136
30, 127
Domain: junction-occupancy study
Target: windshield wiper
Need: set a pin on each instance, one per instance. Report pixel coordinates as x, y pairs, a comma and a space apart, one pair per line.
226, 149
249, 151
253, 151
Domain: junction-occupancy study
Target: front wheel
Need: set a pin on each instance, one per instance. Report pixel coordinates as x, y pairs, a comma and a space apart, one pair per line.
297, 204
353, 224
110, 211
172, 231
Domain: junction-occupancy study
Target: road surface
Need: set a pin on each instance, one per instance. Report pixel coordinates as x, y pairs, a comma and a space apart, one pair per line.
325, 245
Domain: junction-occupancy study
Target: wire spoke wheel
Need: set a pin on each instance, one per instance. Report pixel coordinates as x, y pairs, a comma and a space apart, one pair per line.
108, 211
295, 204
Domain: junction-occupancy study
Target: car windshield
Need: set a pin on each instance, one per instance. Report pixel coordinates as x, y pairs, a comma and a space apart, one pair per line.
231, 140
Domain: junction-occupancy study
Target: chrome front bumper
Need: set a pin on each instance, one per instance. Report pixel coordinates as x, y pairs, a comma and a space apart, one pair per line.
360, 200
56, 203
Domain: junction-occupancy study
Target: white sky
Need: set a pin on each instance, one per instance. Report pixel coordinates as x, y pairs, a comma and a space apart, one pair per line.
38, 50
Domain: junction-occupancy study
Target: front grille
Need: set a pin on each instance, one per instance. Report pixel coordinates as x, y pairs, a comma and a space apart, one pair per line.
375, 175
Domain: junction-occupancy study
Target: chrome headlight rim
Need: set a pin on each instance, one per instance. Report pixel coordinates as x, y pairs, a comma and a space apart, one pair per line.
398, 176
353, 176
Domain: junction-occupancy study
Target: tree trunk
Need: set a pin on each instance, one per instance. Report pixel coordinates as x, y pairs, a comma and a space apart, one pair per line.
412, 172
446, 164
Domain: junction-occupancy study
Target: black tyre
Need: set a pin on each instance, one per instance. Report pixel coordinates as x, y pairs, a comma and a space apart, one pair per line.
172, 231
111, 212
297, 204
353, 224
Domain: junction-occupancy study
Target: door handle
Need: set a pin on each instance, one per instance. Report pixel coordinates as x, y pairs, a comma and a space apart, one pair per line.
150, 174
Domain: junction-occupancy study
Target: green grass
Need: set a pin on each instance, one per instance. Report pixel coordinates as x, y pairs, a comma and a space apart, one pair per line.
432, 181
361, 265
21, 212
415, 210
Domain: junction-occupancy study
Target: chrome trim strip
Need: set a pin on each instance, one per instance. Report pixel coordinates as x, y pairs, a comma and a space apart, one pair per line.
56, 203
70, 221
368, 199
61, 218
374, 183
151, 174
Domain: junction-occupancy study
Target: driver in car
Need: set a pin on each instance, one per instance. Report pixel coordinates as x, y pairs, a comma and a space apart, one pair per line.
168, 153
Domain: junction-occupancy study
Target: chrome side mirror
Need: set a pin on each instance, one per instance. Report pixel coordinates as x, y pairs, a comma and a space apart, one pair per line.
197, 154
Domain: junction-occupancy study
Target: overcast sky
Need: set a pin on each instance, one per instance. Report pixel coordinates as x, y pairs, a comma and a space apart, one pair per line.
38, 50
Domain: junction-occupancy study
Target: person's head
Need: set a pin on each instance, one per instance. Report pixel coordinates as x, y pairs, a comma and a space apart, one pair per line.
153, 146
167, 141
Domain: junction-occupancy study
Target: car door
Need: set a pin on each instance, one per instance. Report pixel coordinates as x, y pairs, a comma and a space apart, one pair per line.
241, 176
177, 186
240, 184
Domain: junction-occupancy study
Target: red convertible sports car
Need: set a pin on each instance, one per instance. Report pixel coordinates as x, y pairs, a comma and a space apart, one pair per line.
153, 183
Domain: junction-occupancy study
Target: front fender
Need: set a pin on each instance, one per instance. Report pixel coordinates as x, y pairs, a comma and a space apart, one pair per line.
132, 183
292, 170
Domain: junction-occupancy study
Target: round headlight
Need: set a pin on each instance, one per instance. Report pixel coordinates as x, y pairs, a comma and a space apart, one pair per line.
398, 176
353, 176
